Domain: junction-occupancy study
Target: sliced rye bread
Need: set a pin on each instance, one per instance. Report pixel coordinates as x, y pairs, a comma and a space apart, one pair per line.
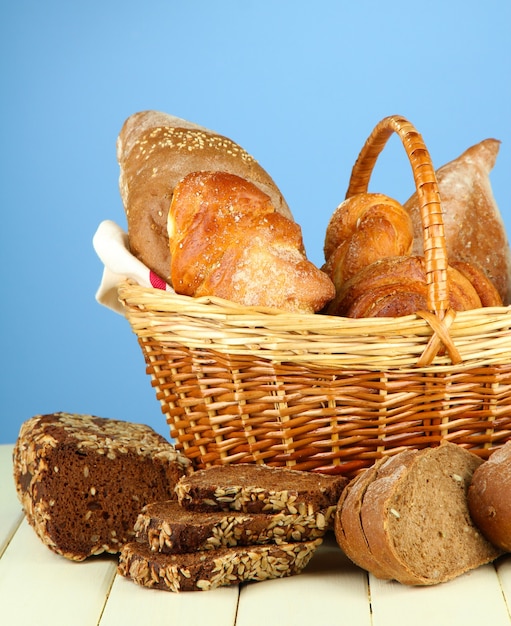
415, 519
201, 571
260, 489
348, 523
82, 480
168, 527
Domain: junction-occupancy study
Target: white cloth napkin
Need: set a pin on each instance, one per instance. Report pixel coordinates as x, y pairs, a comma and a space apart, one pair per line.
111, 245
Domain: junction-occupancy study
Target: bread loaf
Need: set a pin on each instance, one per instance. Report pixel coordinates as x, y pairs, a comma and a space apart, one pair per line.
474, 230
168, 527
155, 151
413, 523
227, 240
82, 480
365, 228
397, 286
260, 489
489, 497
202, 571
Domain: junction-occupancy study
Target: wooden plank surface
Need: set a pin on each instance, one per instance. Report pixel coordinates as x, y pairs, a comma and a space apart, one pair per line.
10, 508
42, 588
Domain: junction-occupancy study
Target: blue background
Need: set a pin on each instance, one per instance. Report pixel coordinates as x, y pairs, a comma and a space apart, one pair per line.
298, 84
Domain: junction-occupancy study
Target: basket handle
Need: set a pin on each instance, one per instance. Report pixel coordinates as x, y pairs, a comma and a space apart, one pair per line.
435, 251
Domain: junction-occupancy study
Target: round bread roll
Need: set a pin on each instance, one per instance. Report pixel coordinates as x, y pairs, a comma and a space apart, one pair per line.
489, 498
364, 228
156, 150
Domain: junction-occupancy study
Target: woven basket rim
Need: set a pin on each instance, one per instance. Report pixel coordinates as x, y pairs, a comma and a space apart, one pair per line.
482, 336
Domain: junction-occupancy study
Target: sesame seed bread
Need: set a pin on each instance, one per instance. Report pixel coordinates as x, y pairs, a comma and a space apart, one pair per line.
156, 150
82, 480
201, 571
260, 489
414, 518
168, 527
489, 497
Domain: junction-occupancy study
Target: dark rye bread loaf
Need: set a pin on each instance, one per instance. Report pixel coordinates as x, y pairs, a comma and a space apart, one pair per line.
168, 527
413, 523
260, 489
489, 497
82, 480
201, 571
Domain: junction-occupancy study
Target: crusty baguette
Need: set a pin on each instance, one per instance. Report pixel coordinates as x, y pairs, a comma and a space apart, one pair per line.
474, 228
489, 497
155, 150
415, 519
227, 240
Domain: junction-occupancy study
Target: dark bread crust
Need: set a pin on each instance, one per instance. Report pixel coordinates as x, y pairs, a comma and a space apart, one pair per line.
82, 480
167, 527
414, 518
201, 571
155, 151
259, 489
348, 523
489, 497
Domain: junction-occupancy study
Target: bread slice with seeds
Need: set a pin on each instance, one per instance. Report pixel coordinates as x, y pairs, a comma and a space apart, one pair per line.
260, 489
82, 480
201, 571
168, 527
414, 518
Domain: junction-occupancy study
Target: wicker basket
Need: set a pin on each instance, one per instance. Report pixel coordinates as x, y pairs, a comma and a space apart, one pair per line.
325, 393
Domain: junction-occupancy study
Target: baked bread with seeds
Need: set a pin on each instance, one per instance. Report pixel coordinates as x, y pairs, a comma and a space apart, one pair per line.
82, 480
156, 150
260, 489
168, 527
413, 523
201, 571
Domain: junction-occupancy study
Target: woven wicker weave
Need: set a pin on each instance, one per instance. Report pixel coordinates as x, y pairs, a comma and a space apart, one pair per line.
325, 393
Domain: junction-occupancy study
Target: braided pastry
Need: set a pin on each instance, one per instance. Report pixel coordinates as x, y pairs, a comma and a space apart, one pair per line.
227, 240
364, 228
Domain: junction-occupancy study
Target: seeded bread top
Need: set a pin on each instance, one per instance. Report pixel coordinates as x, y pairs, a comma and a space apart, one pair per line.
168, 527
203, 570
98, 434
259, 488
82, 480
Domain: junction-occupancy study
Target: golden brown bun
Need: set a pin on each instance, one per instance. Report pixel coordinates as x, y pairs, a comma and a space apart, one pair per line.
364, 228
227, 240
485, 289
474, 228
155, 151
396, 286
489, 497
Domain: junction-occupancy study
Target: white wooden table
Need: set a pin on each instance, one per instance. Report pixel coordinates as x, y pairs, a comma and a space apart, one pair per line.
39, 588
